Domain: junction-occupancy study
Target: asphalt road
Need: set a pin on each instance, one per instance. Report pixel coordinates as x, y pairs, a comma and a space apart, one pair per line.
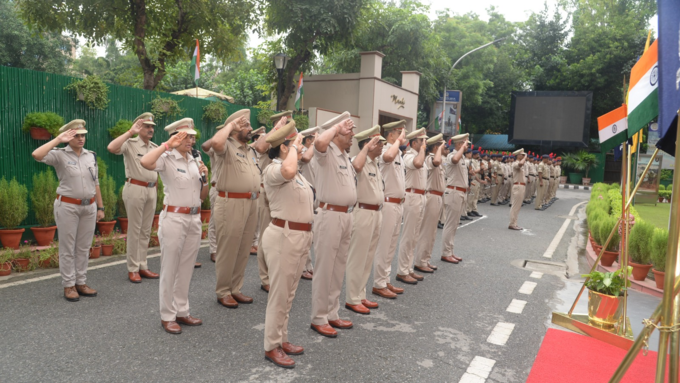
431, 333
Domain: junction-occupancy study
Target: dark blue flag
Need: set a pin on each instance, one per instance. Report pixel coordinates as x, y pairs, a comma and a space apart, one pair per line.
618, 152
669, 73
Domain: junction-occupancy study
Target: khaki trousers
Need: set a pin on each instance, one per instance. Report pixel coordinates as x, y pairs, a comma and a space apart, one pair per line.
413, 217
264, 218
517, 195
534, 187
362, 246
454, 203
75, 228
332, 231
308, 264
235, 225
180, 238
540, 194
473, 197
442, 213
387, 243
496, 189
428, 229
258, 229
212, 235
555, 183
140, 205
285, 251
527, 189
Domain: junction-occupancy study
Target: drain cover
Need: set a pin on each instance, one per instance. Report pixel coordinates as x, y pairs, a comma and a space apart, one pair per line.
545, 267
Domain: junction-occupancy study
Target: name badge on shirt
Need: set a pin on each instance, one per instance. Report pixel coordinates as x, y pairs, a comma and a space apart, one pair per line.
241, 155
71, 163
140, 155
398, 163
343, 167
299, 182
371, 174
182, 171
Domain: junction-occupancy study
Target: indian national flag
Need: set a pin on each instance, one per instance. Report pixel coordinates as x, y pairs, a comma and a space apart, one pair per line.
643, 100
439, 121
196, 64
612, 129
299, 94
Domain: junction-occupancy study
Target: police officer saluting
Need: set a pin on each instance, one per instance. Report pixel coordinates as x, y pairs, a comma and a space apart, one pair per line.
75, 211
139, 193
454, 197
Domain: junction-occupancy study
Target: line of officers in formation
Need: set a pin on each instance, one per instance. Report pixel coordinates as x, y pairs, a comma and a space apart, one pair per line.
296, 190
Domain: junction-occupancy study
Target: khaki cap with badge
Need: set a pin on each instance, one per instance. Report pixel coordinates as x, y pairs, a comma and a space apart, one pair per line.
257, 131
279, 136
238, 114
401, 124
460, 137
183, 125
147, 118
277, 116
518, 152
369, 133
310, 131
77, 125
420, 133
218, 127
334, 121
435, 140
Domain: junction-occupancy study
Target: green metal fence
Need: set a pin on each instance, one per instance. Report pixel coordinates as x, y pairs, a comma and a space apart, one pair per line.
25, 91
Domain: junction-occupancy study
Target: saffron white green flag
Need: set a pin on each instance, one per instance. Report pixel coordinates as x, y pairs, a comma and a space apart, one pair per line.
612, 129
299, 94
643, 100
196, 64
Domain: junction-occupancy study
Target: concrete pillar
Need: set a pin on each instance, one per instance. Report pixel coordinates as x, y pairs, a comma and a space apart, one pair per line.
371, 64
410, 80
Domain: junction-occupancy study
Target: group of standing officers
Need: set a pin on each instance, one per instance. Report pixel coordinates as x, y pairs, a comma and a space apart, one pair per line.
278, 196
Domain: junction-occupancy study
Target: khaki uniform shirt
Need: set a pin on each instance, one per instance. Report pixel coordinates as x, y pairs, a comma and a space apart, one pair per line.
335, 178
239, 172
435, 175
558, 171
518, 173
181, 179
306, 169
215, 165
393, 174
542, 170
78, 175
456, 174
290, 200
263, 161
415, 178
475, 166
370, 183
133, 150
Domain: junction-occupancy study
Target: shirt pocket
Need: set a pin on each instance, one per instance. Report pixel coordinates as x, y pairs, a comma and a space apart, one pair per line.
182, 181
241, 164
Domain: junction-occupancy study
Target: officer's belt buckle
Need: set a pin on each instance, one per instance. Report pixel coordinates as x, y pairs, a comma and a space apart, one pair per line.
380, 207
151, 184
350, 209
84, 202
253, 195
194, 209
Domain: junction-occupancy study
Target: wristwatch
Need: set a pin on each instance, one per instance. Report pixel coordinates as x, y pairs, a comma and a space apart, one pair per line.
100, 208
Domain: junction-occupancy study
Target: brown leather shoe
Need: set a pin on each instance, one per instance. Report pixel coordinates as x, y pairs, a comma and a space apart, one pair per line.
385, 293
456, 258
359, 309
433, 267
407, 279
228, 302
212, 257
394, 289
134, 277
417, 277
342, 324
279, 358
86, 291
325, 330
70, 294
514, 227
189, 321
292, 349
253, 250
369, 304
265, 288
425, 269
449, 259
306, 275
148, 274
240, 298
197, 265
171, 327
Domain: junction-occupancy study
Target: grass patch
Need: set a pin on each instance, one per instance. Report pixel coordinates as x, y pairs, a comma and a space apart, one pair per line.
656, 215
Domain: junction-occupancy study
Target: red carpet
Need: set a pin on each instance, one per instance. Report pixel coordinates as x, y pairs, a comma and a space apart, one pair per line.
573, 358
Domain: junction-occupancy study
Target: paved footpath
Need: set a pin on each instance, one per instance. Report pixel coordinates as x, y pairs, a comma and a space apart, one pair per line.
479, 321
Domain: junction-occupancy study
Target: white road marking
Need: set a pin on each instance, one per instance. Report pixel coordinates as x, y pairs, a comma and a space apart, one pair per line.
536, 274
501, 333
527, 288
478, 371
516, 306
473, 221
560, 233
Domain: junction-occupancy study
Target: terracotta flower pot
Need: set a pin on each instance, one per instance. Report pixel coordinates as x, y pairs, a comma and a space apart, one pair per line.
205, 215
21, 264
5, 269
154, 241
597, 248
11, 238
155, 220
123, 224
95, 252
46, 264
204, 235
44, 235
105, 227
659, 277
41, 134
107, 250
586, 181
640, 271
563, 180
608, 258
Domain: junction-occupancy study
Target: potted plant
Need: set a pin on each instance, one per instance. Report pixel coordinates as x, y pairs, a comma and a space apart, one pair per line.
121, 127
48, 258
205, 210
22, 258
6, 256
165, 107
107, 186
563, 177
43, 194
204, 230
216, 111
91, 90
13, 211
588, 160
570, 161
42, 126
612, 251
595, 229
153, 239
122, 213
160, 196
107, 244
96, 248
639, 249
119, 245
605, 303
658, 246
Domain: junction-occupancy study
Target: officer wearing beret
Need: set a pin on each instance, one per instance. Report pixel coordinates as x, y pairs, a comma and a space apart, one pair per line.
367, 217
436, 186
75, 211
337, 195
179, 225
518, 186
139, 193
454, 196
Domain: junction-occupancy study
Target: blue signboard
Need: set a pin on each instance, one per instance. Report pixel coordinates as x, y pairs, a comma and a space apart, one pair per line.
451, 96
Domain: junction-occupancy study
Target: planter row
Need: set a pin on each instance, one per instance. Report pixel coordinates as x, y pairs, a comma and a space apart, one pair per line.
640, 272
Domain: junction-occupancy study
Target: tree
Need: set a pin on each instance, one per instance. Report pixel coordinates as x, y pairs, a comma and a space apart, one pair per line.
20, 48
158, 32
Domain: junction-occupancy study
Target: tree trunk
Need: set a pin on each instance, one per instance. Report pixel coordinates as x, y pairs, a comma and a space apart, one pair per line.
291, 69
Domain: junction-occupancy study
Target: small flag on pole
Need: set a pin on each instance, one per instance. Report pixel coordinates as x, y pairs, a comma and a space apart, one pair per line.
196, 64
299, 94
612, 129
439, 121
643, 99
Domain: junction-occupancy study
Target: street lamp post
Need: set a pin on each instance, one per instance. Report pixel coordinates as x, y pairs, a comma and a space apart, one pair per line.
453, 66
280, 61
